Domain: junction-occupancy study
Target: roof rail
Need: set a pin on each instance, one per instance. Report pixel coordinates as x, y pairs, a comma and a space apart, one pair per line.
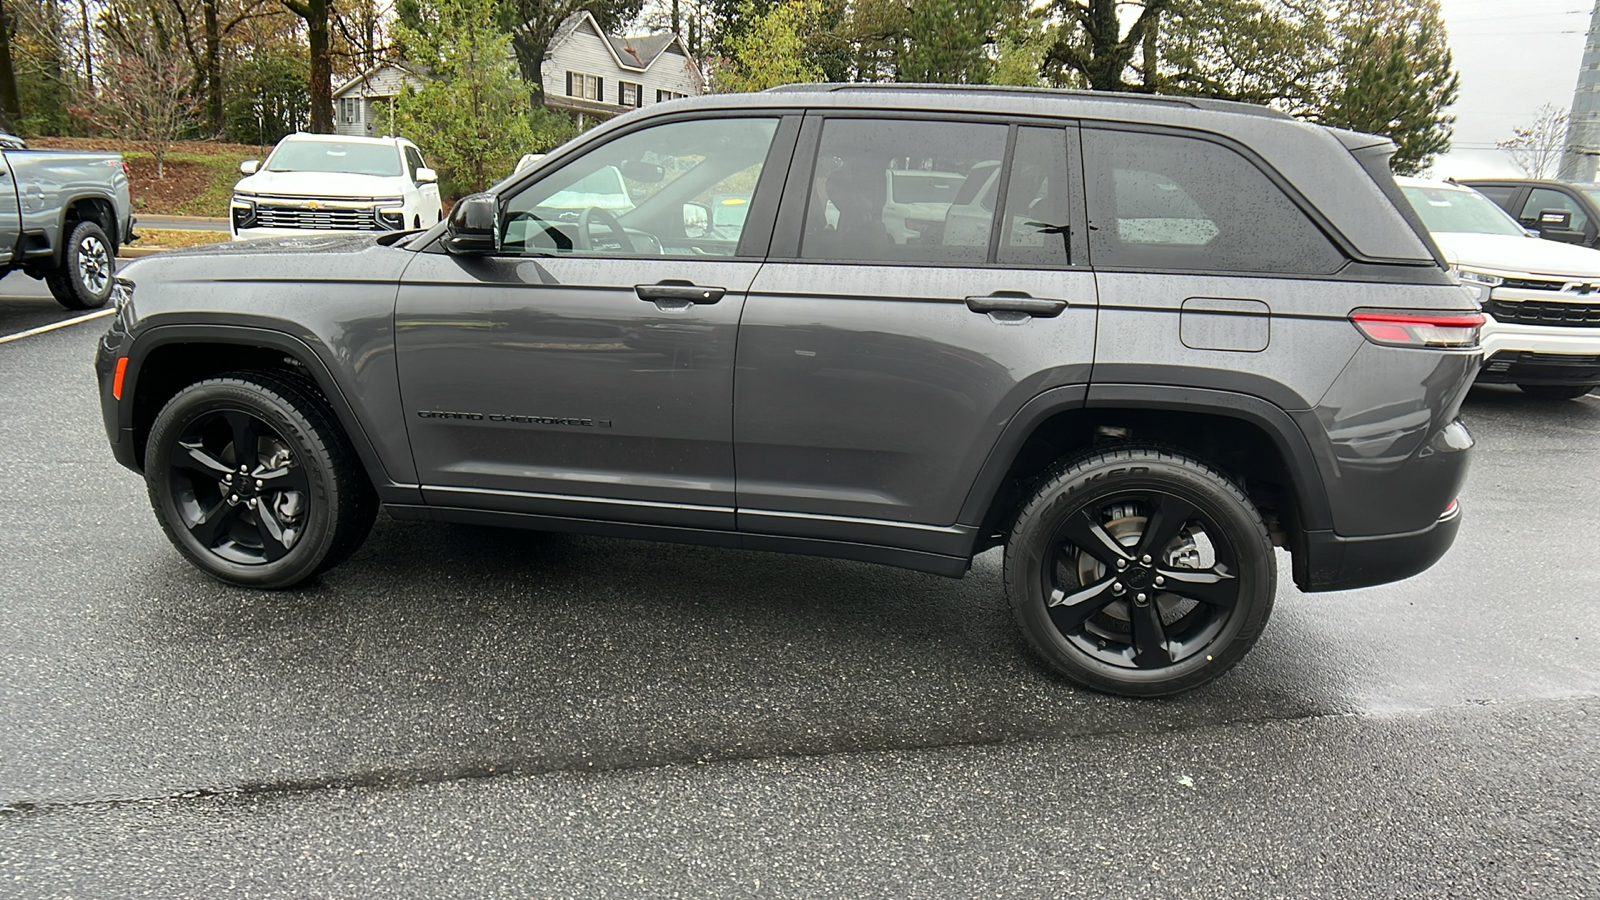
1233, 106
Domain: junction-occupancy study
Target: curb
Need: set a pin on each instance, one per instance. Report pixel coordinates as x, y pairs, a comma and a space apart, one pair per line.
211, 220
138, 252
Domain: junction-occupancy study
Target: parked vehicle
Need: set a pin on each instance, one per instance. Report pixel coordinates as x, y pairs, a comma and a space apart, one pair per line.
1543, 332
325, 183
1556, 210
63, 214
1192, 331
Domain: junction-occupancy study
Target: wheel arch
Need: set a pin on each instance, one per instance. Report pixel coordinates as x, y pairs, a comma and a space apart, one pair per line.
96, 208
1236, 432
168, 358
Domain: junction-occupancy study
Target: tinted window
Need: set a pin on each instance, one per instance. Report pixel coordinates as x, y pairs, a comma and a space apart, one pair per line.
1452, 210
1500, 195
1034, 229
887, 190
1541, 199
1167, 202
678, 189
413, 161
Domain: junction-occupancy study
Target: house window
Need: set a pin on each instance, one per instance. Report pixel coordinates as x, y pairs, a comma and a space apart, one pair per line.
586, 87
350, 110
664, 96
630, 94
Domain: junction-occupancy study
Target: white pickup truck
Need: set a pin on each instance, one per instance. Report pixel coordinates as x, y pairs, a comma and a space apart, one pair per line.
322, 183
63, 214
1542, 298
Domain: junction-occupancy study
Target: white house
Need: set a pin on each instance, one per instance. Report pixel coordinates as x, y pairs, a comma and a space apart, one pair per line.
591, 73
353, 101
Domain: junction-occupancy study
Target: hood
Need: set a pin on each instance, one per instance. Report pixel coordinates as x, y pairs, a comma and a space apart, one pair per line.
322, 184
1534, 256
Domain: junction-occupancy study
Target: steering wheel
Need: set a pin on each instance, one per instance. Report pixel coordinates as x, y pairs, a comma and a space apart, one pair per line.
595, 215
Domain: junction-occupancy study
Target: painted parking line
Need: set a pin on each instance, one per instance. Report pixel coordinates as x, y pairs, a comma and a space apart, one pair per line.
54, 325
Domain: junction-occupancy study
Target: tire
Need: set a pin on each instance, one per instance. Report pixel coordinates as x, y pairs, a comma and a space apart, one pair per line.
1097, 613
319, 505
1555, 391
87, 268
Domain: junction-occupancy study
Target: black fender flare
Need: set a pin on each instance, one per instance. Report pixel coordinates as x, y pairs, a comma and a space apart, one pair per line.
59, 253
1299, 459
292, 347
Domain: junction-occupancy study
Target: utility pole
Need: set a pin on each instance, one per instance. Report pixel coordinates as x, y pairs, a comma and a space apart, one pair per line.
1583, 133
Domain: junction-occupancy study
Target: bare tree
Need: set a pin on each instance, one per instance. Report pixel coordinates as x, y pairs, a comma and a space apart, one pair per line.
1537, 147
147, 86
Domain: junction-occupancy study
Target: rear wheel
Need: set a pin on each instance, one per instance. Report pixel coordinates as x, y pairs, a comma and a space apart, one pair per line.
84, 279
254, 483
1140, 571
1555, 391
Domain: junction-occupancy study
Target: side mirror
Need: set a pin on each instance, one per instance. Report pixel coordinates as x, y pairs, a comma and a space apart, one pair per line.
473, 228
1559, 219
249, 166
427, 176
696, 220
643, 172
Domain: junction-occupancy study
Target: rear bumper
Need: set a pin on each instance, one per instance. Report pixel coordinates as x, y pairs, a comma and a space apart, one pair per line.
1330, 562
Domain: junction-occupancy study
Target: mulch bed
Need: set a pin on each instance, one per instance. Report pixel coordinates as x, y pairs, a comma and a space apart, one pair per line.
160, 196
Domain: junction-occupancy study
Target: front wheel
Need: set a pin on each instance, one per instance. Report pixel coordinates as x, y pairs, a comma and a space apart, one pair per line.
1140, 571
84, 279
254, 483
1555, 391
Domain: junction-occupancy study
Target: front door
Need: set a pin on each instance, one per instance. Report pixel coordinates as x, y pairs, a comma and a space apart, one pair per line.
586, 369
930, 291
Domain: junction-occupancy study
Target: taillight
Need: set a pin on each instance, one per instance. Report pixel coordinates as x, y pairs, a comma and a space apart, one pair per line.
127, 169
1444, 330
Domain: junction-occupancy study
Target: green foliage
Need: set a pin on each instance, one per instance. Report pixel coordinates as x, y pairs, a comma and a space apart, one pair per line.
945, 42
1022, 45
266, 98
1395, 77
471, 117
772, 49
1255, 51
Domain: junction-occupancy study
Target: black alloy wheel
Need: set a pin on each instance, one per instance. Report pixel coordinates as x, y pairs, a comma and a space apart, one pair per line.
254, 483
1140, 571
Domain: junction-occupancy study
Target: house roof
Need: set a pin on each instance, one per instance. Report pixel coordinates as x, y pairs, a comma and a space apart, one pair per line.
635, 53
379, 81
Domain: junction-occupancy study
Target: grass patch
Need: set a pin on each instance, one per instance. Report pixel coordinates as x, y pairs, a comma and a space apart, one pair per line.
165, 239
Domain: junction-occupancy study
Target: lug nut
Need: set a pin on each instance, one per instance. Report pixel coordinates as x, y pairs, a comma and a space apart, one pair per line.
1116, 587
1122, 564
258, 482
1141, 599
1160, 581
1145, 559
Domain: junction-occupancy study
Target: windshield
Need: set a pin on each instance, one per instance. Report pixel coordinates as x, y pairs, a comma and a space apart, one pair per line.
1452, 210
334, 156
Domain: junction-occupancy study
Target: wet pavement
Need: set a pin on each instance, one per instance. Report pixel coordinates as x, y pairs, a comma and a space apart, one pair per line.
469, 712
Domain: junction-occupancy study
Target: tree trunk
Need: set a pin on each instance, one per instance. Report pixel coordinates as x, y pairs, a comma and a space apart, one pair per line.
315, 14
88, 50
1152, 63
10, 106
530, 63
213, 67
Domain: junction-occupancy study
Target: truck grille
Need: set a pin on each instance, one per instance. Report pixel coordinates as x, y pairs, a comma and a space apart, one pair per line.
1538, 312
1533, 284
324, 219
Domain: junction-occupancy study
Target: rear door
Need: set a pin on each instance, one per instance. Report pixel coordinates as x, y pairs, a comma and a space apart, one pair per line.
586, 369
10, 212
889, 339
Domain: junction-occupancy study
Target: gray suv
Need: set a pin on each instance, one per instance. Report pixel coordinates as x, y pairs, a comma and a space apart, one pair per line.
1136, 341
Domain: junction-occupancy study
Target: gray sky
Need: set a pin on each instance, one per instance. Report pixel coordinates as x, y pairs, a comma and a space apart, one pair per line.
1514, 56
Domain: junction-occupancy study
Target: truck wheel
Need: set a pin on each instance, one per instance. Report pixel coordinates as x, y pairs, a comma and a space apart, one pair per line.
1140, 571
254, 482
84, 279
1555, 391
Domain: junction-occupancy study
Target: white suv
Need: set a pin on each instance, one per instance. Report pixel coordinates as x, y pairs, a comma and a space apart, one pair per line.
326, 183
1542, 298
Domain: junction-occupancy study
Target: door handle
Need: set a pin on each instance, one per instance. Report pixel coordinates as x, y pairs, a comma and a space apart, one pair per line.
678, 292
1017, 302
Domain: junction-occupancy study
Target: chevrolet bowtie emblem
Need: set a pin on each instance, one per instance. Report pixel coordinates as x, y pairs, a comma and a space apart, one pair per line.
314, 204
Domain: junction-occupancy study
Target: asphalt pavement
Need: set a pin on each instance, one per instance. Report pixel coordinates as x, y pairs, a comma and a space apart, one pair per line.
469, 712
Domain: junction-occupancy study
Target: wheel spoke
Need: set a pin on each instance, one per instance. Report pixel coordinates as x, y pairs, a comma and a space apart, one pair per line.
1167, 515
275, 539
1087, 535
1215, 586
246, 437
284, 478
197, 458
1070, 609
214, 524
1150, 649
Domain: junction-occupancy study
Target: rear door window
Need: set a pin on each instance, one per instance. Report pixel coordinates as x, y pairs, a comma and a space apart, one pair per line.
1178, 203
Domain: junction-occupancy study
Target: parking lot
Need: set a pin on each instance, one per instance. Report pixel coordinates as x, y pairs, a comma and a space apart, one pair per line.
467, 712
